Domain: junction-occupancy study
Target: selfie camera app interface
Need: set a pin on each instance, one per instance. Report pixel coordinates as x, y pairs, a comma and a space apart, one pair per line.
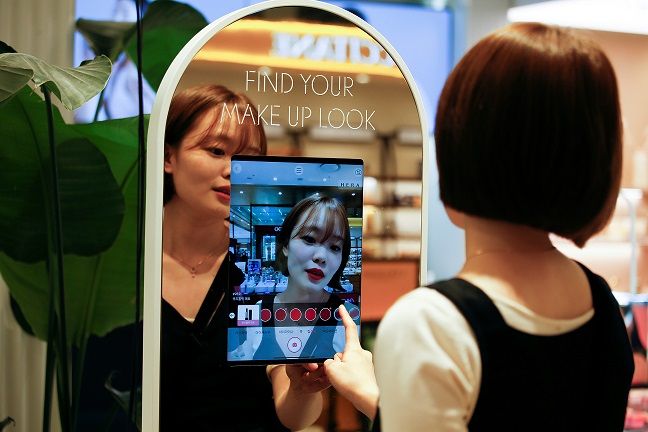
296, 242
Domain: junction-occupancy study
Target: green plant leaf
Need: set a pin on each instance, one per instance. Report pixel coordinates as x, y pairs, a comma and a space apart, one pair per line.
23, 137
100, 290
167, 27
92, 204
105, 37
12, 79
91, 200
73, 86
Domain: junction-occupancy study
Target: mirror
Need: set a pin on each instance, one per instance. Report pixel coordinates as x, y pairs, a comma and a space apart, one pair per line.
320, 83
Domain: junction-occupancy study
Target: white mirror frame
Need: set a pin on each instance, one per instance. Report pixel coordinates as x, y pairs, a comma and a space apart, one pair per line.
154, 184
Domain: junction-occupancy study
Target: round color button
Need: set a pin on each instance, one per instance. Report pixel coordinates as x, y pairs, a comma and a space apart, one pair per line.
295, 314
325, 314
281, 314
266, 314
310, 314
354, 312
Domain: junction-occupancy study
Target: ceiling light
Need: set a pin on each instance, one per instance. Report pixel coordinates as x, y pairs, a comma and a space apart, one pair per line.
622, 16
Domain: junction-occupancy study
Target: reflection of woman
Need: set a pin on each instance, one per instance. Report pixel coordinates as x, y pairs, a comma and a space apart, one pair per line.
313, 248
528, 139
197, 393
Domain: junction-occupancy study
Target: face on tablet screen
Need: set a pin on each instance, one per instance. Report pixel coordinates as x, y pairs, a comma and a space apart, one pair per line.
294, 224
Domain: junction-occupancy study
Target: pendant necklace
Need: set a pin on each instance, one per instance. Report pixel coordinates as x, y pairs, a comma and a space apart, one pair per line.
480, 252
192, 268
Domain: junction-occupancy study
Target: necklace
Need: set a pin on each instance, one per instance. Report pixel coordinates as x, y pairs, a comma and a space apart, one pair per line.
480, 252
192, 268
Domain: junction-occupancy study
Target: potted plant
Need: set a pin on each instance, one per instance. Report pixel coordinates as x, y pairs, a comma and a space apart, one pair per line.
69, 203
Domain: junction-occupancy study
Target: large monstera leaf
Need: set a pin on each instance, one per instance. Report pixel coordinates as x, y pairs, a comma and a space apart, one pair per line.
98, 201
72, 86
167, 27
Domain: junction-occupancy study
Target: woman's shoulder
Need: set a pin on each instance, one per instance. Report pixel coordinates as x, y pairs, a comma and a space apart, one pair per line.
426, 314
423, 301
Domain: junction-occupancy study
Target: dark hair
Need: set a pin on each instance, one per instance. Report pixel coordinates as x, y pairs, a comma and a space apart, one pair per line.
312, 206
528, 130
190, 104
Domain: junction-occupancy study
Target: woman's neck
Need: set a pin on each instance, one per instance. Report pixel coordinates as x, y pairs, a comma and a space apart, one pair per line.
295, 294
484, 233
188, 235
521, 264
502, 241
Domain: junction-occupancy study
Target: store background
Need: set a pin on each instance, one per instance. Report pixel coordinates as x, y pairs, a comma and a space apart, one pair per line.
49, 34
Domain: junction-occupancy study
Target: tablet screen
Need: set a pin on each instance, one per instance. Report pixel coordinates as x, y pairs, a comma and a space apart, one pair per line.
296, 238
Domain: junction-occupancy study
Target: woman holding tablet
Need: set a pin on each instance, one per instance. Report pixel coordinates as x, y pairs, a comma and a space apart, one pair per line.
197, 392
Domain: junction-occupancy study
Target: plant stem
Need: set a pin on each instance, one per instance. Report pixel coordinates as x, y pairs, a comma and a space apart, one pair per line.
49, 365
56, 275
99, 105
89, 316
136, 376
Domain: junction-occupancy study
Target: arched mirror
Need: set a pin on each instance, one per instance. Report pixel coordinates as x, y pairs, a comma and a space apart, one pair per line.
322, 84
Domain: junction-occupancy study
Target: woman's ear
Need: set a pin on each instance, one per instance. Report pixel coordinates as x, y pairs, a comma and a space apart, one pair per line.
457, 218
169, 158
285, 251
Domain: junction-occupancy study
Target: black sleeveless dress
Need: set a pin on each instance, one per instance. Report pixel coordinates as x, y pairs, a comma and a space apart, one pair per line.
575, 381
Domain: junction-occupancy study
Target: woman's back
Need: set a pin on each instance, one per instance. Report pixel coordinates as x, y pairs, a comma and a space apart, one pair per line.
458, 357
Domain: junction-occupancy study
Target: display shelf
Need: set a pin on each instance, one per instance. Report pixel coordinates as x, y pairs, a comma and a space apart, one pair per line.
619, 253
392, 236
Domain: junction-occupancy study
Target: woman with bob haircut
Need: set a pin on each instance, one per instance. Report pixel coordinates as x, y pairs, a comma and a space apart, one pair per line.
528, 143
313, 249
197, 391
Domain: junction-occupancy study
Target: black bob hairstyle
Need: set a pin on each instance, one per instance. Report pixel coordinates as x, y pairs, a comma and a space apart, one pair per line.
528, 131
312, 206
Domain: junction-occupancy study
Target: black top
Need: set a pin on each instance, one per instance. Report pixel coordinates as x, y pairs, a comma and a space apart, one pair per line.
197, 391
574, 381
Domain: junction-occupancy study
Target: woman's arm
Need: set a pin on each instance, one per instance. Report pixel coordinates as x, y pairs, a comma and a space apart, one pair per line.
427, 365
297, 393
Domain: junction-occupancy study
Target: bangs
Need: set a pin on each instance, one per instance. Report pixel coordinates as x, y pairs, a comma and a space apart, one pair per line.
323, 222
245, 137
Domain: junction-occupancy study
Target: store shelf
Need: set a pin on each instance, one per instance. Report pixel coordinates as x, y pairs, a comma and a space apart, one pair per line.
394, 236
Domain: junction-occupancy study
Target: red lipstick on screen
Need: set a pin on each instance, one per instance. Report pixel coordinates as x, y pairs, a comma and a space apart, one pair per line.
315, 274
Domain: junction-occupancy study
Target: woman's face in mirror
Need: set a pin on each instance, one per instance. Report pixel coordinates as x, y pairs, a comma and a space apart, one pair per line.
311, 259
200, 165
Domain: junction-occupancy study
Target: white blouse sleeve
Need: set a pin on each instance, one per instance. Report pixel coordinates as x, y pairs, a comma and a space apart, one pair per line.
427, 365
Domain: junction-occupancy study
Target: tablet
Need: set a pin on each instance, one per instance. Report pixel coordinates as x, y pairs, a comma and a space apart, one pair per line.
296, 239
